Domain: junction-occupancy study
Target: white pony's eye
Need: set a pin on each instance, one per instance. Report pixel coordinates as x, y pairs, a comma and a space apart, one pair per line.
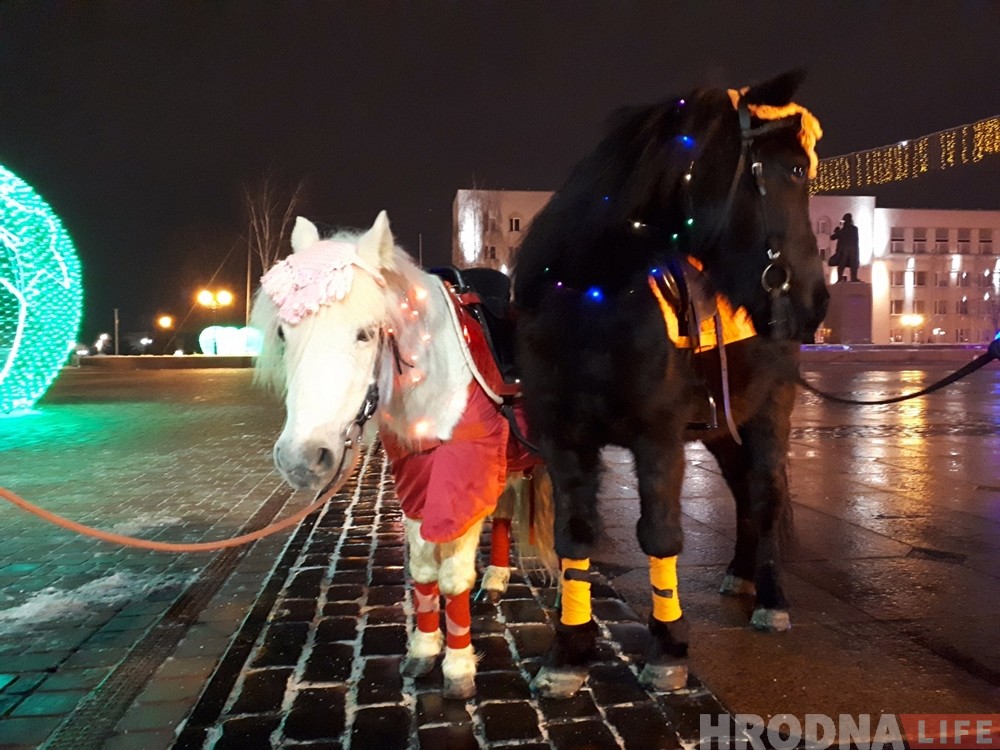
366, 334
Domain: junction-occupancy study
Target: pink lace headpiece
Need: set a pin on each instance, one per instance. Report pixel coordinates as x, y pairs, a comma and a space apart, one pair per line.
320, 274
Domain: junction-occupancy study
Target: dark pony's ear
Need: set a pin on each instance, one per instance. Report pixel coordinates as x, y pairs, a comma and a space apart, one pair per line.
778, 91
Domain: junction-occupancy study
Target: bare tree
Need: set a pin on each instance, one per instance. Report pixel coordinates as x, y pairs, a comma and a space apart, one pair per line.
270, 210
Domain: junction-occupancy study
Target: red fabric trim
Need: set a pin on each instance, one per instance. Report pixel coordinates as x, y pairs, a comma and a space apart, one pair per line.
500, 543
458, 620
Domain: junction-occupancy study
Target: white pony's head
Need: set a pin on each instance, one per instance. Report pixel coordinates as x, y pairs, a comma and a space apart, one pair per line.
323, 312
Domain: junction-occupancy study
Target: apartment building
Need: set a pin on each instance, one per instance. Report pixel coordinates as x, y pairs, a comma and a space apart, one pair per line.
934, 274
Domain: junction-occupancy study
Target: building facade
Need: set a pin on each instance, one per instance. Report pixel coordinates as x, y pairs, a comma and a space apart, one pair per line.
934, 274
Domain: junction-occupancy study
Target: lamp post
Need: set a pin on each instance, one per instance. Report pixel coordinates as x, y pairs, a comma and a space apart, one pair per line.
215, 300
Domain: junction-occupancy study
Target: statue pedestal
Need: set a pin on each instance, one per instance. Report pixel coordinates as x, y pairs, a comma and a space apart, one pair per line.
849, 316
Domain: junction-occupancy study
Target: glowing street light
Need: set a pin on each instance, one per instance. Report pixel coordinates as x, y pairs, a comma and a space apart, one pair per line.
214, 300
166, 322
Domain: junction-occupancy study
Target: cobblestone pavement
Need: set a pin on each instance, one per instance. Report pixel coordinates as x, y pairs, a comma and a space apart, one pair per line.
296, 640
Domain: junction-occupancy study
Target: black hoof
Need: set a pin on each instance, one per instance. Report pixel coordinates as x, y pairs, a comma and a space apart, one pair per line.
559, 682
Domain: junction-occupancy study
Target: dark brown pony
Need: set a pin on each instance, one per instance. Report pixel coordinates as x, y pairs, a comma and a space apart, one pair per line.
716, 180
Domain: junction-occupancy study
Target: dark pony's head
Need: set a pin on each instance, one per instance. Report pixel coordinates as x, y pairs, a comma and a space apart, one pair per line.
718, 175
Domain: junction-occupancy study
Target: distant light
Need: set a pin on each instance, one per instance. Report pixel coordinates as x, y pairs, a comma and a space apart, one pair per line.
595, 294
674, 236
690, 222
686, 141
165, 321
103, 337
682, 102
224, 297
145, 341
912, 320
904, 143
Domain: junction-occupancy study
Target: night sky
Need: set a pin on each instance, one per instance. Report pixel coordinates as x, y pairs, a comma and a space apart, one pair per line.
142, 123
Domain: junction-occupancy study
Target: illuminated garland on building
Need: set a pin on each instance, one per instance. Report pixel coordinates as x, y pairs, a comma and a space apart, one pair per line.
41, 297
965, 144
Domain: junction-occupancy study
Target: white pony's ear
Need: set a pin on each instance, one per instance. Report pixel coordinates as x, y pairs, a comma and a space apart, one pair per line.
377, 246
304, 234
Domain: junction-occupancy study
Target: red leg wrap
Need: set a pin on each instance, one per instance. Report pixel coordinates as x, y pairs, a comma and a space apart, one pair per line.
500, 543
458, 620
427, 603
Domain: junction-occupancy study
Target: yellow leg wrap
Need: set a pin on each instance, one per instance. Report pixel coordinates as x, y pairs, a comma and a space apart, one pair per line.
663, 577
575, 609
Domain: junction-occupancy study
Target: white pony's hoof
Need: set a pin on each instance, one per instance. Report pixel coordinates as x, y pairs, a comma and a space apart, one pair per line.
421, 653
771, 620
459, 670
495, 582
736, 586
561, 682
664, 677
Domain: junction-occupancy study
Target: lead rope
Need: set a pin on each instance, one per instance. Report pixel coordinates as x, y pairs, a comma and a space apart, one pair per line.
992, 353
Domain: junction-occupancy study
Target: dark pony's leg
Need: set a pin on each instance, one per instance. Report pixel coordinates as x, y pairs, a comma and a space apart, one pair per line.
757, 475
660, 471
575, 477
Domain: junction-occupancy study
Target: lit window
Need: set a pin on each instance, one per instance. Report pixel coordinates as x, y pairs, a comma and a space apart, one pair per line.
515, 224
895, 307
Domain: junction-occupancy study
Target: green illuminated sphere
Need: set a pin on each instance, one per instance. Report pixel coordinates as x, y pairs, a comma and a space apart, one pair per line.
41, 297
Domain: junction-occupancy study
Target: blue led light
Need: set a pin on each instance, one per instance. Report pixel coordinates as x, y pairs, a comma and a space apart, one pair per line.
595, 294
686, 141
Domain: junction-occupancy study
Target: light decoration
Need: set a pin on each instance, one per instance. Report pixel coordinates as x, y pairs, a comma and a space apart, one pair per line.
41, 296
231, 341
964, 144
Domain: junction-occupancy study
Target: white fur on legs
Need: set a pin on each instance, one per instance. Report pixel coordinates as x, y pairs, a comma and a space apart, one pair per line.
458, 562
423, 556
459, 669
495, 579
422, 653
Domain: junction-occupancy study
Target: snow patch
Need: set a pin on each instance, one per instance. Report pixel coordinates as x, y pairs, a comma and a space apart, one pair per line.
144, 522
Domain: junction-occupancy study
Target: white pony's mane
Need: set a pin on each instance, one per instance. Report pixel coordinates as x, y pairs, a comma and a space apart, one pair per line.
431, 390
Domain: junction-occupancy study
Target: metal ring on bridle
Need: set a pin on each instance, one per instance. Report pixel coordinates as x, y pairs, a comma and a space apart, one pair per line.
780, 286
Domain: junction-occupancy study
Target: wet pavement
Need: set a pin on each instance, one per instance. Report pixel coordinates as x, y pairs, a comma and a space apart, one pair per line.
296, 640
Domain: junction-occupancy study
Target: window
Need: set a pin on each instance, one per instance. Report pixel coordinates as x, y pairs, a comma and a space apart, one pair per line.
962, 335
896, 238
919, 307
897, 278
490, 252
896, 335
984, 279
962, 306
920, 278
895, 307
823, 226
491, 223
515, 224
963, 279
964, 241
919, 241
986, 242
941, 279
940, 307
941, 241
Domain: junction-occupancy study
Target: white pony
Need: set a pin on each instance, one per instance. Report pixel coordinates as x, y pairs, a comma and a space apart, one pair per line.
368, 333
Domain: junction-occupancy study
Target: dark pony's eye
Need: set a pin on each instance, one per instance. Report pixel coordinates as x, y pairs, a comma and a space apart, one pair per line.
799, 173
366, 334
281, 333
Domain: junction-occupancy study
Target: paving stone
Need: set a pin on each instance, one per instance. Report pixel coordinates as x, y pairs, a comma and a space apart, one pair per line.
509, 721
501, 686
49, 704
385, 615
317, 714
385, 595
522, 611
580, 706
283, 643
452, 737
380, 681
337, 629
643, 727
384, 639
493, 652
592, 735
532, 640
342, 609
295, 610
329, 662
433, 708
633, 637
263, 691
345, 593
615, 684
613, 610
383, 727
247, 733
388, 576
305, 585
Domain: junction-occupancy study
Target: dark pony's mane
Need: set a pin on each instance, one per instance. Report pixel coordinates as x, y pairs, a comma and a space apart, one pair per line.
586, 235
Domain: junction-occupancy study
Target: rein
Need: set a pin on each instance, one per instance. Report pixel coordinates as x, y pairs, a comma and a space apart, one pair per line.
992, 353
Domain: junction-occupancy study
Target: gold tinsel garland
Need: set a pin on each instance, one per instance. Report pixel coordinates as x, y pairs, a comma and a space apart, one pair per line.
965, 144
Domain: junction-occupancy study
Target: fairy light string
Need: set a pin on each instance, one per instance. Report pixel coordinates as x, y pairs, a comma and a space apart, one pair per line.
906, 160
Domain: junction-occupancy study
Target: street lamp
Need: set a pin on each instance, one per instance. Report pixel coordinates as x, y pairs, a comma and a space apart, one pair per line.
214, 300
166, 322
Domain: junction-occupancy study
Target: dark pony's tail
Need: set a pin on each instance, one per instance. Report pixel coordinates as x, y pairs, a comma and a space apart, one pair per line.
534, 528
